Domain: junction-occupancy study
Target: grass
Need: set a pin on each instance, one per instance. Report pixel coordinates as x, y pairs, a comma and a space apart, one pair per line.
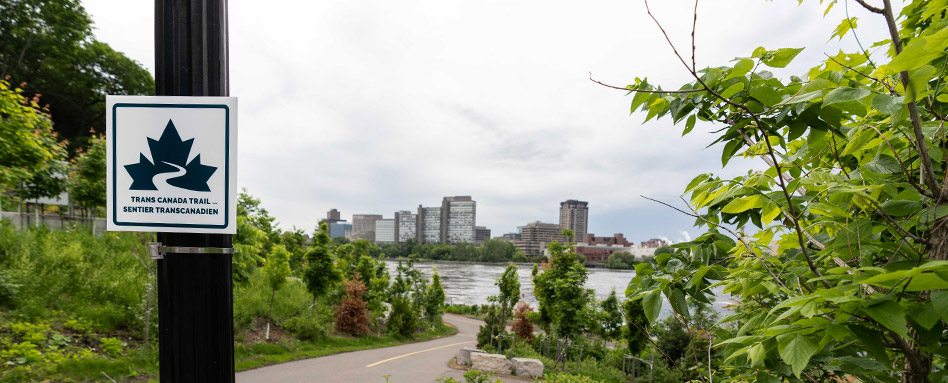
264, 354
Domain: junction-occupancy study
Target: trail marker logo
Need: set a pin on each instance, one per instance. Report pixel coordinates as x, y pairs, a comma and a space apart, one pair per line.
170, 154
171, 164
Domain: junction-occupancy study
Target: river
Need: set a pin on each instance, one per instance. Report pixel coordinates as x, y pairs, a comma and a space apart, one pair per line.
472, 283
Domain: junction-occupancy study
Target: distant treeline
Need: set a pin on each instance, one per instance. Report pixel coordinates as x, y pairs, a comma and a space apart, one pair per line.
493, 250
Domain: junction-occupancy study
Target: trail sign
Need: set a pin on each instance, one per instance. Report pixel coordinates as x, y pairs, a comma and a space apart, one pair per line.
172, 164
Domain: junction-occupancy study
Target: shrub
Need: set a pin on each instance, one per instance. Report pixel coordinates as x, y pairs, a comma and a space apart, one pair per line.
309, 325
492, 326
112, 347
352, 317
475, 376
403, 320
523, 328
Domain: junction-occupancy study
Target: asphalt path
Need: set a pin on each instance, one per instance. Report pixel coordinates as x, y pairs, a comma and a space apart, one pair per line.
410, 363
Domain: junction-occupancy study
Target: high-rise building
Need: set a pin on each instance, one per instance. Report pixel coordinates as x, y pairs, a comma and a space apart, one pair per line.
458, 215
339, 229
481, 234
406, 226
385, 231
428, 226
535, 236
333, 216
363, 226
574, 215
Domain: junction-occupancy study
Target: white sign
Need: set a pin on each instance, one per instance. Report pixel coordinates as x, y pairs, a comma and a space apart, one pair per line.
172, 164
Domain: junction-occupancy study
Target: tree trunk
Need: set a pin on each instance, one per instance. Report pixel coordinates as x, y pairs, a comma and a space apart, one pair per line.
916, 368
270, 314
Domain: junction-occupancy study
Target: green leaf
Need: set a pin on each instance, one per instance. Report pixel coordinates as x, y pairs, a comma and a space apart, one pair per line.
732, 90
781, 57
920, 52
740, 69
640, 97
796, 350
942, 98
743, 204
766, 95
690, 124
925, 314
770, 211
940, 301
652, 304
883, 164
757, 353
803, 97
918, 82
844, 27
925, 282
888, 104
844, 94
889, 314
873, 341
901, 208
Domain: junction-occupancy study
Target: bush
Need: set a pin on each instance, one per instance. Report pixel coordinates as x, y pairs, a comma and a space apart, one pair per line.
352, 317
523, 328
100, 278
111, 346
403, 321
252, 301
309, 325
492, 327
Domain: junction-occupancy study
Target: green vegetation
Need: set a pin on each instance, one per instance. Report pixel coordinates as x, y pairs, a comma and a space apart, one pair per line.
493, 250
844, 277
76, 306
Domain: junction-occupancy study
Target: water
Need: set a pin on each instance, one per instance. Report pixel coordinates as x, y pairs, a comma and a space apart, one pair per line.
472, 283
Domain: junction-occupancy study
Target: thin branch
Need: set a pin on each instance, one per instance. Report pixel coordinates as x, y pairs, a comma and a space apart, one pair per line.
643, 90
883, 83
733, 234
872, 9
649, 11
902, 165
928, 171
694, 25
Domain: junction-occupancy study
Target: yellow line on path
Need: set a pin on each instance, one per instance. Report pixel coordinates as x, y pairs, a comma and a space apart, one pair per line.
416, 352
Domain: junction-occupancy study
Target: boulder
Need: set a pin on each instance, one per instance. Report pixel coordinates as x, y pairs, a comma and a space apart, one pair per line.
529, 368
464, 355
495, 363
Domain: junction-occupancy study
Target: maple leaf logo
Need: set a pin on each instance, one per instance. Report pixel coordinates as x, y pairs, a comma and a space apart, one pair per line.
170, 155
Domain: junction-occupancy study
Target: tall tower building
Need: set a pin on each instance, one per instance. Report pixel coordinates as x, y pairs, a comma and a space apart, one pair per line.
428, 227
363, 226
574, 215
333, 216
458, 215
406, 226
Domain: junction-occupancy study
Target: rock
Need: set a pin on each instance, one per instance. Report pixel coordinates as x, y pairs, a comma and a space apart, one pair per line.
464, 355
530, 368
495, 363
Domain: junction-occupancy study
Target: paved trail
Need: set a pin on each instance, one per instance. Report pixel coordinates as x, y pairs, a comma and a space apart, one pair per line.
411, 363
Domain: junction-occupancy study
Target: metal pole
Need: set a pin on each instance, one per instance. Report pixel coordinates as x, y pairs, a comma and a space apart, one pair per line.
195, 292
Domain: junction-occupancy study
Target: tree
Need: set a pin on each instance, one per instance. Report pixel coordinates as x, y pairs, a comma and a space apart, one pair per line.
622, 260
848, 269
321, 273
50, 46
30, 153
509, 284
561, 293
352, 317
523, 328
403, 320
87, 179
636, 325
434, 302
609, 317
276, 270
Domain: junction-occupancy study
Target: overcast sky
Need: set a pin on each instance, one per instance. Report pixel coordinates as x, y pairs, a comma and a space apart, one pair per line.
379, 105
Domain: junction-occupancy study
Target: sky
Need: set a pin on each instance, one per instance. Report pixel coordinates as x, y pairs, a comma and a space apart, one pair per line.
376, 106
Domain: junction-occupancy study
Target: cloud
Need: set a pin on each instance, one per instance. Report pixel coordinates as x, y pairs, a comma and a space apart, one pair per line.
378, 106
